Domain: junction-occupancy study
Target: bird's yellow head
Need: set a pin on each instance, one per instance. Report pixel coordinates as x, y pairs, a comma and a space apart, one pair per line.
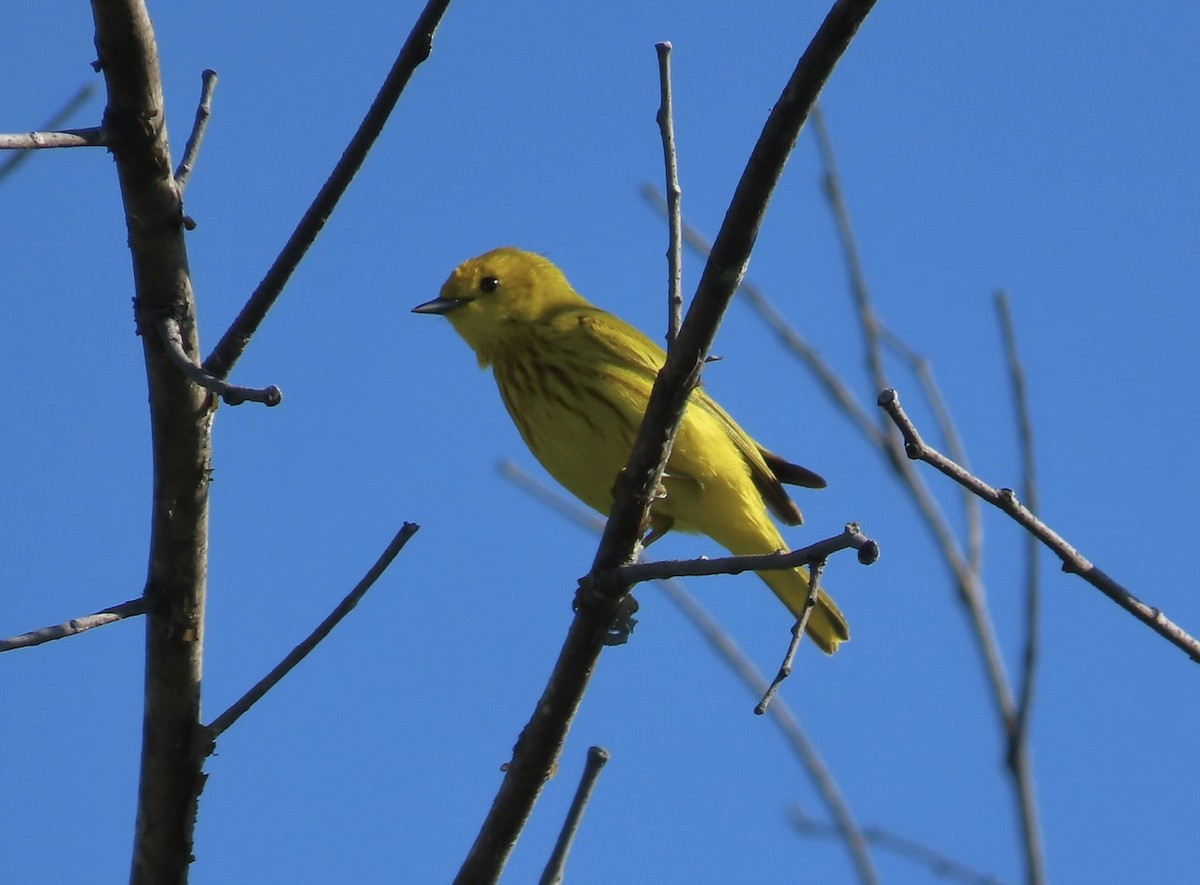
490, 299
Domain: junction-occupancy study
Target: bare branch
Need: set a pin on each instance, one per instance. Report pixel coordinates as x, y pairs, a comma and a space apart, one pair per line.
181, 433
219, 725
109, 615
850, 538
785, 668
168, 329
835, 388
30, 141
1005, 499
26, 141
728, 651
416, 49
597, 757
935, 861
666, 123
858, 279
540, 744
208, 84
923, 371
1018, 755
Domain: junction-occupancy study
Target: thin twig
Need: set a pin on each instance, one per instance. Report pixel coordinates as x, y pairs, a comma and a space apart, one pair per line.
1018, 755
834, 387
921, 368
935, 861
109, 615
666, 124
597, 757
44, 138
789, 657
968, 579
219, 725
858, 279
1029, 494
728, 651
1005, 499
230, 393
850, 538
208, 84
416, 49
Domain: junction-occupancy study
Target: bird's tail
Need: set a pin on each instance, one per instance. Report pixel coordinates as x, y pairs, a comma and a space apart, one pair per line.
826, 625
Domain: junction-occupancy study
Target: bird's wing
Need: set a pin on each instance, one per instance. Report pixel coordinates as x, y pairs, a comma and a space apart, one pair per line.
630, 348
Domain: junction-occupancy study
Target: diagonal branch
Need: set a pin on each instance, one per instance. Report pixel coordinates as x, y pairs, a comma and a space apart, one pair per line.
540, 744
1005, 499
416, 49
597, 758
235, 712
208, 84
728, 651
109, 615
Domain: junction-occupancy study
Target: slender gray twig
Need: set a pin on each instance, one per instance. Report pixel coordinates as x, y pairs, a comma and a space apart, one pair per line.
109, 615
935, 861
868, 319
1005, 499
920, 366
1029, 494
597, 757
789, 657
45, 138
834, 387
415, 50
666, 124
208, 84
213, 730
850, 538
1018, 755
729, 652
229, 393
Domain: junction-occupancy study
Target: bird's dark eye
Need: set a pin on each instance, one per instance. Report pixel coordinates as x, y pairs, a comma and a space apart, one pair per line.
489, 284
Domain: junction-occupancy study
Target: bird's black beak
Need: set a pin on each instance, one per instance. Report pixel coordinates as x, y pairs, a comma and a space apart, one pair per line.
440, 305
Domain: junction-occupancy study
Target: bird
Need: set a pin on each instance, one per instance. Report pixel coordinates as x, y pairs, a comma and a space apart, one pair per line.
576, 380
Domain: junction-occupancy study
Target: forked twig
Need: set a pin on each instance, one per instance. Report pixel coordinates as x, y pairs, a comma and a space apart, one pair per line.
729, 652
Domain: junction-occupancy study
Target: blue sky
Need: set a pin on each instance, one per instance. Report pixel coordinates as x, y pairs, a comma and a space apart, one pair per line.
1040, 148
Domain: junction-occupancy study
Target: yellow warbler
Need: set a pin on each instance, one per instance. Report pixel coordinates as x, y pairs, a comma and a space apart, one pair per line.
576, 381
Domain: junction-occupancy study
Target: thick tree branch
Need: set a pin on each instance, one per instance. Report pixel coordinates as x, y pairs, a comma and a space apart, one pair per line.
727, 650
540, 744
180, 420
1005, 499
415, 50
